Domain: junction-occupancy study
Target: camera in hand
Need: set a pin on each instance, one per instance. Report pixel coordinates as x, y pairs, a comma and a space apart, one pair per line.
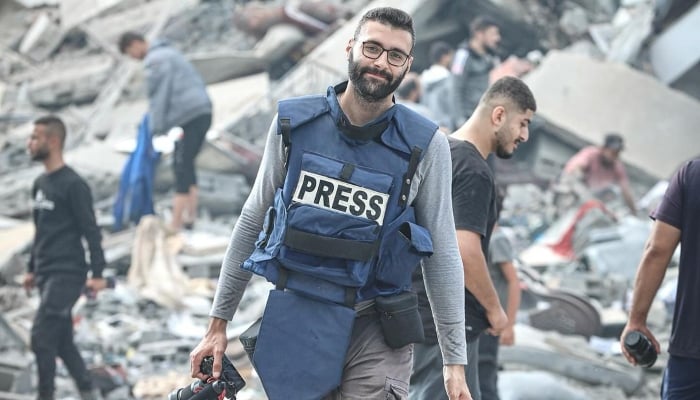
229, 383
641, 348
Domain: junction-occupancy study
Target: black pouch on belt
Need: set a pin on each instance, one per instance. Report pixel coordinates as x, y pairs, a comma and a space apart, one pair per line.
400, 320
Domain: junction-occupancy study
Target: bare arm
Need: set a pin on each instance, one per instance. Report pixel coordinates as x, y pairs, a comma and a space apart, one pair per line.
478, 280
658, 251
511, 276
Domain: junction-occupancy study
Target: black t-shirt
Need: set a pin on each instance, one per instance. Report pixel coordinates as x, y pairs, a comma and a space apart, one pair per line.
474, 208
680, 208
63, 214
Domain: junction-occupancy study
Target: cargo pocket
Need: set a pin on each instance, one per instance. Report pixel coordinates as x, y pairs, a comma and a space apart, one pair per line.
270, 237
404, 246
395, 389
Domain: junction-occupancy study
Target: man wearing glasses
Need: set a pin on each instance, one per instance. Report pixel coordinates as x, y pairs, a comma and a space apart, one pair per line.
353, 192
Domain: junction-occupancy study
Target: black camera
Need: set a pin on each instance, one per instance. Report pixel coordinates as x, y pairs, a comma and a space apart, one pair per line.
229, 383
640, 348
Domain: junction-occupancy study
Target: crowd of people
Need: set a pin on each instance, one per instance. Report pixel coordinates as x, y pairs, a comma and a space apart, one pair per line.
374, 214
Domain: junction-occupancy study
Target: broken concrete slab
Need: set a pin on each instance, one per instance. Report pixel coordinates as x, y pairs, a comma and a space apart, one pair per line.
74, 12
672, 52
570, 357
68, 82
13, 241
42, 38
132, 15
628, 42
15, 372
219, 67
535, 385
570, 88
674, 58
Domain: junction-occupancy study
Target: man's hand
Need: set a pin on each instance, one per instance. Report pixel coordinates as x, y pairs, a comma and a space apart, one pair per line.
96, 284
498, 321
213, 344
507, 336
455, 383
28, 282
635, 326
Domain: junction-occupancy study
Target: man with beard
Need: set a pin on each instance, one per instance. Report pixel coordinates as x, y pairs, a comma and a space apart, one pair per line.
498, 125
472, 65
63, 215
599, 167
352, 192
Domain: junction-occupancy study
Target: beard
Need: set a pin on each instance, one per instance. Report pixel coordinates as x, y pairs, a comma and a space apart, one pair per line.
368, 89
40, 155
501, 151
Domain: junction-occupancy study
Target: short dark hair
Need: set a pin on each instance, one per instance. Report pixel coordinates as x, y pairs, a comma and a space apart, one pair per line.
614, 141
481, 23
127, 38
389, 16
437, 51
54, 126
513, 90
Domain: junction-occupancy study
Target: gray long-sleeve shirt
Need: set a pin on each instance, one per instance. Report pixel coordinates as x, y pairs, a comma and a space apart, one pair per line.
431, 196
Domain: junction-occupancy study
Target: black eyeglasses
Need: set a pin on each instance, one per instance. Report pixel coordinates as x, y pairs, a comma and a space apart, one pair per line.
372, 50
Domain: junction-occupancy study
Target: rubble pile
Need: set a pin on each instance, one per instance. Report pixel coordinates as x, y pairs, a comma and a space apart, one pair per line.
577, 253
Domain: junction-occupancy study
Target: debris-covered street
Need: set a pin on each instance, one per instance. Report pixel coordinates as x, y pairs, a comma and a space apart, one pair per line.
594, 66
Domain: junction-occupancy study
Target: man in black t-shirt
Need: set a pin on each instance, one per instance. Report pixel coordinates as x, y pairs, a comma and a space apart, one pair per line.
675, 221
63, 215
500, 122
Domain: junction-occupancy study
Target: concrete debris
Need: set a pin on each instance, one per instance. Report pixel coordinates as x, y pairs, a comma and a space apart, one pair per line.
570, 88
74, 84
577, 252
673, 60
568, 356
42, 38
574, 21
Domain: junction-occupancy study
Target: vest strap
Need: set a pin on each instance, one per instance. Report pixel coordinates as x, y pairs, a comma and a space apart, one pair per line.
282, 279
347, 171
322, 246
408, 177
286, 130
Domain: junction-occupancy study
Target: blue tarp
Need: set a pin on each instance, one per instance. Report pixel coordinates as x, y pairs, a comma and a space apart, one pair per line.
135, 196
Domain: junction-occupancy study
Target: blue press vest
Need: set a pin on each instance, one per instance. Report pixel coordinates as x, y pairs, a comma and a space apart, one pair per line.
341, 219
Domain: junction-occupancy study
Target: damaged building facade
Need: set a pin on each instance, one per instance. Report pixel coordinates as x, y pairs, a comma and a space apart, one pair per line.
626, 66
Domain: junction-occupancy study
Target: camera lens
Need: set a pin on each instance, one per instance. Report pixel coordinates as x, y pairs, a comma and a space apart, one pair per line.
641, 348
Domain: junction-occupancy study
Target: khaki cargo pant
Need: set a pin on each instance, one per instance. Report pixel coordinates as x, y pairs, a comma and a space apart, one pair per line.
373, 370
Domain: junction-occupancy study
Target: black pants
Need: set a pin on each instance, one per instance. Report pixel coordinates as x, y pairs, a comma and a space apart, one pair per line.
488, 366
186, 150
52, 332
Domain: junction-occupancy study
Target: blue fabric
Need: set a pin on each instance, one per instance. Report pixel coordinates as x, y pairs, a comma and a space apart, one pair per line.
297, 352
135, 195
345, 190
681, 379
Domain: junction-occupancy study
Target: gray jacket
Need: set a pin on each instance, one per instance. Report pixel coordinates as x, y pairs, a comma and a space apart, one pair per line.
176, 91
471, 79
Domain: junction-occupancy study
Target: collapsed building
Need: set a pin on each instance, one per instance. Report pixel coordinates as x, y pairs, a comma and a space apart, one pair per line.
606, 66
